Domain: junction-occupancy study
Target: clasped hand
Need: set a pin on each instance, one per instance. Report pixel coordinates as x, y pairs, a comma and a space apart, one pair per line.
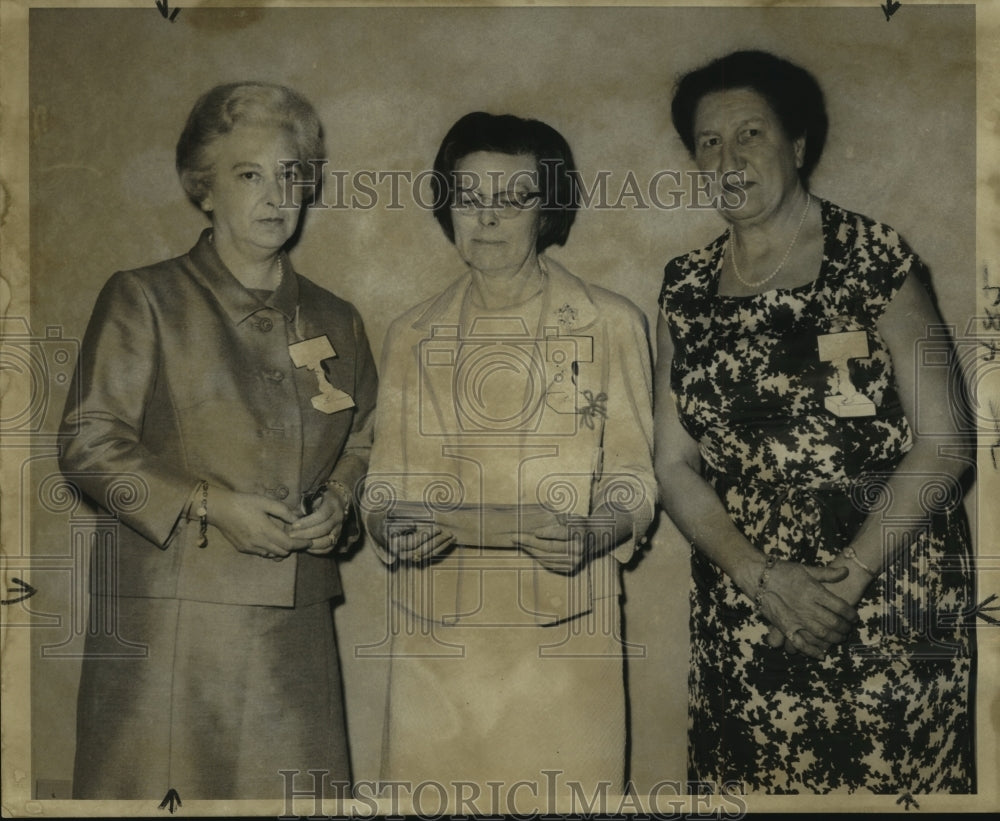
555, 547
410, 540
805, 616
262, 526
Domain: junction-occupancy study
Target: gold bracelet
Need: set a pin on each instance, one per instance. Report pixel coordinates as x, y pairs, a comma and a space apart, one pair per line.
758, 599
853, 556
346, 497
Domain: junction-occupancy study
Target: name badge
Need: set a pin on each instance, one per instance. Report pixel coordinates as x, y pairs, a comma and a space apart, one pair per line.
838, 349
310, 355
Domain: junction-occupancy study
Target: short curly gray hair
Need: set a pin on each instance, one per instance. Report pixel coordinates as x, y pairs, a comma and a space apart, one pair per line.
226, 106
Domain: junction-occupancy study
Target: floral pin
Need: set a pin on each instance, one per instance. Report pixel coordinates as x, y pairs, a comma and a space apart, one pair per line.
566, 316
596, 407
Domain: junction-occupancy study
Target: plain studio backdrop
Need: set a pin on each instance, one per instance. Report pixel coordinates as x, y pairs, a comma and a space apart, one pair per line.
110, 90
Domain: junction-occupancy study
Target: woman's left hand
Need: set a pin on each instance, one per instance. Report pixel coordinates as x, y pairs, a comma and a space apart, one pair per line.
323, 526
553, 548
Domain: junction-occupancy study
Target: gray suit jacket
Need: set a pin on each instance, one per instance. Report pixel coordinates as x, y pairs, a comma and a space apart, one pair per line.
185, 375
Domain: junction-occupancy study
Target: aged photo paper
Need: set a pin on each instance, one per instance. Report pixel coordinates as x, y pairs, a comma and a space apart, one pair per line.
93, 97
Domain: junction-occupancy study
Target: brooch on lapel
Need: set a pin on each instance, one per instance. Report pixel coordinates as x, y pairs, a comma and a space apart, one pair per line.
566, 316
597, 406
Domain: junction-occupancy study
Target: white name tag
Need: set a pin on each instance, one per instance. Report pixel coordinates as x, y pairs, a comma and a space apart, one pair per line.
310, 355
838, 349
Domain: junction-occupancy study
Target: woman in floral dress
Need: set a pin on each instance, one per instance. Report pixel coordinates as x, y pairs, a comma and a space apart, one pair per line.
832, 563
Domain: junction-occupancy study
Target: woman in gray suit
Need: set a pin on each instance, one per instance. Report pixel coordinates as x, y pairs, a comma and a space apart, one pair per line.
236, 396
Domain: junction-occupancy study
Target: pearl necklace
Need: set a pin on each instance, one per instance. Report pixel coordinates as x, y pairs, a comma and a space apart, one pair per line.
784, 259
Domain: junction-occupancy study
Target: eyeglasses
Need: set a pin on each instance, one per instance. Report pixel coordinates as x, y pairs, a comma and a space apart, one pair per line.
505, 205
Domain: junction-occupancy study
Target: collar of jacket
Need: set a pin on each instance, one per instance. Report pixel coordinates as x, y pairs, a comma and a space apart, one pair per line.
571, 307
238, 303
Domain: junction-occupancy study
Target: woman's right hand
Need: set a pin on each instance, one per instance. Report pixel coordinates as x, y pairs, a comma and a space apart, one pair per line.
254, 524
414, 542
809, 617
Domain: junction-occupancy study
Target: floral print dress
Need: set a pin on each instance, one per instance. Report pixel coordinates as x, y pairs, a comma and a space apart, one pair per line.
889, 709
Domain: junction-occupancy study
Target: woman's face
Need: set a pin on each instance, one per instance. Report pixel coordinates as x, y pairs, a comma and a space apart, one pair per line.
496, 239
737, 130
251, 200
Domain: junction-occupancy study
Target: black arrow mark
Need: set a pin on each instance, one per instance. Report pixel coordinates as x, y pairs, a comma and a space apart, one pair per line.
162, 5
889, 8
908, 799
981, 611
170, 798
967, 618
23, 587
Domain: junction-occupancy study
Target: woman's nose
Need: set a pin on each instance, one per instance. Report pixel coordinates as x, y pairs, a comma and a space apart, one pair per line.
731, 158
275, 192
488, 215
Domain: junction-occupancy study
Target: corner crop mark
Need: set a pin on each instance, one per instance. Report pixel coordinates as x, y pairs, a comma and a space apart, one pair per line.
164, 8
889, 8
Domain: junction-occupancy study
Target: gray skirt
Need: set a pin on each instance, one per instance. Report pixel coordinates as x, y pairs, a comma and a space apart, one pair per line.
227, 697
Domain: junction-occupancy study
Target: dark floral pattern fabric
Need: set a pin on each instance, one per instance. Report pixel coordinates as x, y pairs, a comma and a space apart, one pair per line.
888, 710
